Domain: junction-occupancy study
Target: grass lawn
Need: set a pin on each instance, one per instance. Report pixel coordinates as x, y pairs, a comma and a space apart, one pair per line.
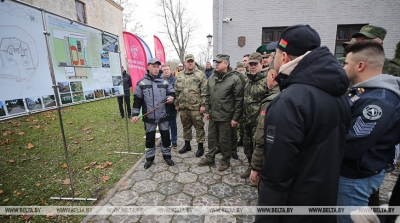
33, 165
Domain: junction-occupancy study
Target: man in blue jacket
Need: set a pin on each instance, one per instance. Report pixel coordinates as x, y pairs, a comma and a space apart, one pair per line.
152, 91
305, 128
170, 107
375, 124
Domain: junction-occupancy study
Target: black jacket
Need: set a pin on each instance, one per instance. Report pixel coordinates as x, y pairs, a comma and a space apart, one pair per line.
127, 82
208, 72
305, 131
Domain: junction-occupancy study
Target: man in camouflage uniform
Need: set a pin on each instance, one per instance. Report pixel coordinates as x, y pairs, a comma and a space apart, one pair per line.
190, 90
255, 91
224, 106
258, 157
241, 128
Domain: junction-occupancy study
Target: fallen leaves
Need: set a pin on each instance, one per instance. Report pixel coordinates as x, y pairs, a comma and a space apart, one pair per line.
5, 200
105, 178
11, 161
124, 184
93, 163
86, 128
38, 184
66, 181
21, 133
1, 192
30, 146
70, 123
64, 165
89, 139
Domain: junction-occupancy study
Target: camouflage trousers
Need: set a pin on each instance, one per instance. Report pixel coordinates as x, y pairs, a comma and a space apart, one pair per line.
192, 118
249, 130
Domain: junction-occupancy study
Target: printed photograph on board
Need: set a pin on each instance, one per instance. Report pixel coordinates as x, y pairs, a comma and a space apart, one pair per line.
64, 87
49, 101
99, 93
78, 96
107, 92
15, 106
66, 98
2, 109
76, 86
117, 80
117, 91
33, 103
89, 95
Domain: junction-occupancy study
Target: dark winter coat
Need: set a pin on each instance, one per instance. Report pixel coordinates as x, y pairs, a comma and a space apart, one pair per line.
305, 131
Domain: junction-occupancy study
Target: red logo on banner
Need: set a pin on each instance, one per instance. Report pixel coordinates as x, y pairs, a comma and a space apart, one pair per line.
159, 50
136, 55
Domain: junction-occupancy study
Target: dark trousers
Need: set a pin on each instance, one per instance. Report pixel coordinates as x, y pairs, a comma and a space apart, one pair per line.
172, 125
127, 102
219, 132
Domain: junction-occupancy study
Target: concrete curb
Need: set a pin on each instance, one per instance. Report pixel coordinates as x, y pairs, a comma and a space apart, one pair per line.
110, 193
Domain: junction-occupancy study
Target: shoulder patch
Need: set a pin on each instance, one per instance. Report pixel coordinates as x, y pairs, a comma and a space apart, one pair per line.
361, 128
372, 112
270, 134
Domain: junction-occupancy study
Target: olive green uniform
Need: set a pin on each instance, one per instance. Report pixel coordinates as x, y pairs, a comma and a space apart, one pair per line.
258, 157
224, 102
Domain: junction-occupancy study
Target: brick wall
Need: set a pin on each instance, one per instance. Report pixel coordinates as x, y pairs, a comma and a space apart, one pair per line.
249, 17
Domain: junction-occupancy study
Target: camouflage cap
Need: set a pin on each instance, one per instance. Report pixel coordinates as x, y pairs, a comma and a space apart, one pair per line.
371, 32
263, 50
189, 57
353, 40
239, 64
221, 57
255, 57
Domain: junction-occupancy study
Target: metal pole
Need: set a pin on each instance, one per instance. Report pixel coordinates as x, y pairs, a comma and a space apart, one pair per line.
56, 95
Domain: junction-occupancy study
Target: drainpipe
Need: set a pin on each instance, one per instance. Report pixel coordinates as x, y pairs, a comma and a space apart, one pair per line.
220, 18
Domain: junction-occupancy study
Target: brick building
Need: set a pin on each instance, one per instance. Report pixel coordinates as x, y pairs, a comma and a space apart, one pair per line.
261, 22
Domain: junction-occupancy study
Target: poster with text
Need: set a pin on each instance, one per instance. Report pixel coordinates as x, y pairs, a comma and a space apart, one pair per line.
24, 72
84, 60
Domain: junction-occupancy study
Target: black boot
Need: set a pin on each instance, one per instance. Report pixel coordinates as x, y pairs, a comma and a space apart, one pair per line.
200, 150
186, 147
240, 141
218, 150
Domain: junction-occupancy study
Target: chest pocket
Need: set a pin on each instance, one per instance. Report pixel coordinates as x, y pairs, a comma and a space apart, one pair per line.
163, 89
146, 89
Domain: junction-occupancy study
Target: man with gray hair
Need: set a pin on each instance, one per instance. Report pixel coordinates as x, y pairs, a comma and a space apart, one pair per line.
224, 98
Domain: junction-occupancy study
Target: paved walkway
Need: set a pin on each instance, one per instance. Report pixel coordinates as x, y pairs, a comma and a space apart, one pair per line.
186, 184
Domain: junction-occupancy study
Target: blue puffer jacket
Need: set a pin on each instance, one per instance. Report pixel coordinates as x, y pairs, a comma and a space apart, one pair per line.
150, 92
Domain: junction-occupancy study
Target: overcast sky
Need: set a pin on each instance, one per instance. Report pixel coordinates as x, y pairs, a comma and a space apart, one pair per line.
201, 11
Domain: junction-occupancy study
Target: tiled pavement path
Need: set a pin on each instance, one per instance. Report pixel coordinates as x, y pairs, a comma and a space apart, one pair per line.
187, 184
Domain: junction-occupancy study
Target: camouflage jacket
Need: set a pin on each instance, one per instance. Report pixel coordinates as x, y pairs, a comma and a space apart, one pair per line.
391, 67
190, 90
258, 157
255, 91
224, 98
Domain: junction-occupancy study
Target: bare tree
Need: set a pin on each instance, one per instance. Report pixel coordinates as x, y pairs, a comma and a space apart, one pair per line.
128, 18
178, 26
205, 55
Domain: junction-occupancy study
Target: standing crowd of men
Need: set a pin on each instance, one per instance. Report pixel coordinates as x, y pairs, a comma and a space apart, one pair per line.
309, 138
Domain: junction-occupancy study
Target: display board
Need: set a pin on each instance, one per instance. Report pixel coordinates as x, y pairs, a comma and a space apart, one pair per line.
25, 80
85, 60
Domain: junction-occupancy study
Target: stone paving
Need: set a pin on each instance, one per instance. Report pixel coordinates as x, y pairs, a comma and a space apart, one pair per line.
186, 184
